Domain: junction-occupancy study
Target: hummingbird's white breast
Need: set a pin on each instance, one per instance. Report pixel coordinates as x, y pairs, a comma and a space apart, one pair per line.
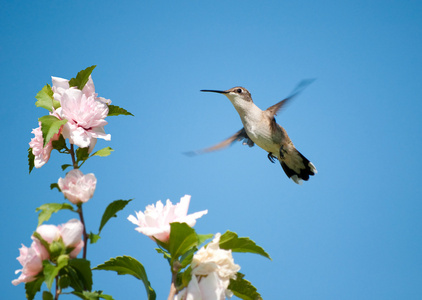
257, 125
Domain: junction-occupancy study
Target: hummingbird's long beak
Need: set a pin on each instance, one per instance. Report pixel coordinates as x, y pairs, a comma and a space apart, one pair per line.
215, 91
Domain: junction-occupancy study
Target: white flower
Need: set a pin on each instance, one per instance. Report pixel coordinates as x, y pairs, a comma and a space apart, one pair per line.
212, 269
155, 221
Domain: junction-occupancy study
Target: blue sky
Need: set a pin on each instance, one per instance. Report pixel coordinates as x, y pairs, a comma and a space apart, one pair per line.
352, 232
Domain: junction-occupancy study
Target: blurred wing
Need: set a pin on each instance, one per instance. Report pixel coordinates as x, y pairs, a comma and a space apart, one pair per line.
272, 111
238, 136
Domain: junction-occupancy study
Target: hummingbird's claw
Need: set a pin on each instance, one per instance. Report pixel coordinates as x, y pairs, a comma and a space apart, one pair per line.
271, 157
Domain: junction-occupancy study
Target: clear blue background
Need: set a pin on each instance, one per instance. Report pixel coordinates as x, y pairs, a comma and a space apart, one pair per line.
352, 232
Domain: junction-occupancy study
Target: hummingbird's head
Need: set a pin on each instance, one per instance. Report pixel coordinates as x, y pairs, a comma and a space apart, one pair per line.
236, 95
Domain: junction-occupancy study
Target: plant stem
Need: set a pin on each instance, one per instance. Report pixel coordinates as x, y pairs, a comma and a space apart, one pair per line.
81, 216
72, 154
58, 291
173, 289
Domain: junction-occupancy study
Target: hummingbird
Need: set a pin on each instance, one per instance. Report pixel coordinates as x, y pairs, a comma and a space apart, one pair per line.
261, 128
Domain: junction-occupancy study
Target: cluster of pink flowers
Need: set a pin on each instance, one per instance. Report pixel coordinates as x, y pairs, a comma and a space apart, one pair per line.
85, 113
155, 221
31, 258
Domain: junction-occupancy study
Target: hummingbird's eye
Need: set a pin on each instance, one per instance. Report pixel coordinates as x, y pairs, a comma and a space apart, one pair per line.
239, 91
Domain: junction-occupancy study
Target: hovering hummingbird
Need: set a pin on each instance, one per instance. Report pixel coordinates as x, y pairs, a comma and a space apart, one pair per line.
260, 127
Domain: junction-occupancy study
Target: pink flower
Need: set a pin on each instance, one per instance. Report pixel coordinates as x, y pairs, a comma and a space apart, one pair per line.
60, 85
212, 269
31, 261
85, 117
49, 233
41, 153
77, 187
155, 221
84, 110
71, 234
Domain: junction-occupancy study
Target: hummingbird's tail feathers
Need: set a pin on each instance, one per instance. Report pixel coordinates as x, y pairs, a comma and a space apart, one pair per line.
296, 166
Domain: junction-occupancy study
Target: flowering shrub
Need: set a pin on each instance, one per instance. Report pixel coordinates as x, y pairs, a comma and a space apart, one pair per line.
75, 120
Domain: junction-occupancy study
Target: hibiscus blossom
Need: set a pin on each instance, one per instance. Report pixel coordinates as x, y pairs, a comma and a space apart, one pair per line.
155, 221
85, 117
41, 153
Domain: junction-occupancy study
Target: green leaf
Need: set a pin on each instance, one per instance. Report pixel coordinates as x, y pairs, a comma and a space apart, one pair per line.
31, 159
96, 295
65, 166
187, 257
82, 78
50, 125
93, 238
33, 287
182, 239
186, 277
60, 144
111, 211
45, 99
243, 289
55, 186
64, 280
46, 210
126, 265
82, 154
114, 110
50, 271
164, 253
230, 240
47, 296
80, 275
103, 152
203, 237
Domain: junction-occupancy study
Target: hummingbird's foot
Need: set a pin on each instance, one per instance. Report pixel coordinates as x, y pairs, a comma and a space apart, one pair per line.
271, 157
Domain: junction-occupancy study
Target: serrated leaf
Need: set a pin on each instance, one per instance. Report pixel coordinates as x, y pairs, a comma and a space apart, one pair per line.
81, 78
96, 295
114, 110
82, 154
33, 287
31, 160
111, 211
126, 265
50, 271
45, 99
93, 238
230, 241
103, 152
81, 278
50, 125
47, 296
182, 239
46, 210
243, 289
